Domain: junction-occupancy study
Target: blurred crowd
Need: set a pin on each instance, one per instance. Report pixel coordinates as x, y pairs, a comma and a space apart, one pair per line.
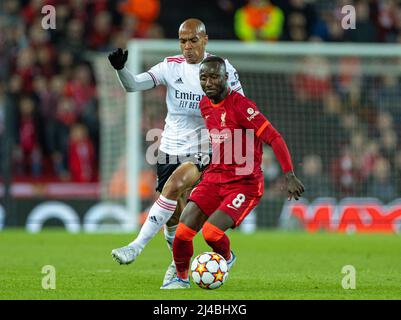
47, 79
343, 129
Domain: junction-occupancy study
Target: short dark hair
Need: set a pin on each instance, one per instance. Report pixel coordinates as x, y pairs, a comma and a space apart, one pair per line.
214, 59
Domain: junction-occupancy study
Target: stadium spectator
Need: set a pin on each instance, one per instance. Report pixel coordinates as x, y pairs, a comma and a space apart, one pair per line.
99, 35
387, 95
348, 82
77, 9
27, 150
345, 173
388, 143
145, 13
326, 128
386, 14
117, 187
314, 82
45, 61
66, 116
46, 112
26, 68
381, 184
369, 157
10, 12
38, 36
32, 9
327, 28
397, 167
318, 182
271, 168
349, 121
81, 155
225, 24
80, 88
272, 177
72, 39
397, 32
300, 20
64, 16
384, 121
258, 20
3, 102
65, 63
366, 30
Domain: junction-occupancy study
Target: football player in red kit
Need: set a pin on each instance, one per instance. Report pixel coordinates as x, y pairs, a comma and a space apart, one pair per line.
233, 183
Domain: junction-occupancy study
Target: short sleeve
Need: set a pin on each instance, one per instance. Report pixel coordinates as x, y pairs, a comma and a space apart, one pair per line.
158, 73
233, 78
249, 116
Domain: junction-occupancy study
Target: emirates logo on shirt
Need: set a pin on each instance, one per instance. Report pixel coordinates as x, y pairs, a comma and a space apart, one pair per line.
223, 119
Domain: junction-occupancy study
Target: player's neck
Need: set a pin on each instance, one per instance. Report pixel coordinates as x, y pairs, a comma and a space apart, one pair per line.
221, 96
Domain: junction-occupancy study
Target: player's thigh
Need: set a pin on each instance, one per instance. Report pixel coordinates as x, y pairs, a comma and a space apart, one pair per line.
193, 216
183, 178
206, 196
221, 220
239, 200
164, 171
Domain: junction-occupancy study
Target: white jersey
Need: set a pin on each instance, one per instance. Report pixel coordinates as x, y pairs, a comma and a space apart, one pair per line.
184, 122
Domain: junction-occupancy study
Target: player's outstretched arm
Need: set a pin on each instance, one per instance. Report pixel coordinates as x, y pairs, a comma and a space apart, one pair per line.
130, 82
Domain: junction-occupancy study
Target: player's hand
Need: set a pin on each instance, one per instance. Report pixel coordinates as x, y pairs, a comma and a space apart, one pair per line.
294, 186
118, 58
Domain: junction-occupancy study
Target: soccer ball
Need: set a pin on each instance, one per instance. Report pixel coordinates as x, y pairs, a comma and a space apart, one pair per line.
209, 270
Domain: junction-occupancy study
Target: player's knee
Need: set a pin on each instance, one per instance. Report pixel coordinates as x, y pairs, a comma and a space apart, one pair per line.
173, 188
211, 233
182, 179
184, 232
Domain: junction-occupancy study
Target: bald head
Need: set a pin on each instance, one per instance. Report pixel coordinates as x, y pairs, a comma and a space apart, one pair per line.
193, 40
194, 25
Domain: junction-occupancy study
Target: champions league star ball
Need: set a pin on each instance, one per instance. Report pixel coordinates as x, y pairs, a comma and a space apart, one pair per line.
209, 270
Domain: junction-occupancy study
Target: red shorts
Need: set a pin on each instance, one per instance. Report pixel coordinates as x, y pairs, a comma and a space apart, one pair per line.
236, 199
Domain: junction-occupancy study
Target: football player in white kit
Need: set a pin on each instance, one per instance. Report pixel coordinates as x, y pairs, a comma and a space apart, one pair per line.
179, 163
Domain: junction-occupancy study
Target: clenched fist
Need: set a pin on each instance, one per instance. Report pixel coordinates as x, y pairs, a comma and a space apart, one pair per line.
118, 58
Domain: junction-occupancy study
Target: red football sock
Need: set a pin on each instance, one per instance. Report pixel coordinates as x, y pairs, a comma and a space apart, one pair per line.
217, 239
183, 249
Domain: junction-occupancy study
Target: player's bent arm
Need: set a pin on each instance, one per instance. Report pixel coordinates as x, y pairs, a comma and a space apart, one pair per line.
133, 83
272, 137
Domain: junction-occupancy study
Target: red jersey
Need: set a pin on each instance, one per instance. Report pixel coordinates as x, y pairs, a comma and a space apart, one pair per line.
235, 127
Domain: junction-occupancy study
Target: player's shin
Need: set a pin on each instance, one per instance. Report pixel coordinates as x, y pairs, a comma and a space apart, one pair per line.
159, 214
171, 226
217, 240
169, 234
183, 249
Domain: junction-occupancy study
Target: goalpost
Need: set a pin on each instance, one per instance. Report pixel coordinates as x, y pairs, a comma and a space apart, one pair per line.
320, 96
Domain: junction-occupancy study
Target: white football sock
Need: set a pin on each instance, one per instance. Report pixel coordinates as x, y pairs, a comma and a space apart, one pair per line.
169, 234
159, 214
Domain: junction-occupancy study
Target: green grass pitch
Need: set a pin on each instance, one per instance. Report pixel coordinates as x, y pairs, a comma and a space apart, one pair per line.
270, 265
